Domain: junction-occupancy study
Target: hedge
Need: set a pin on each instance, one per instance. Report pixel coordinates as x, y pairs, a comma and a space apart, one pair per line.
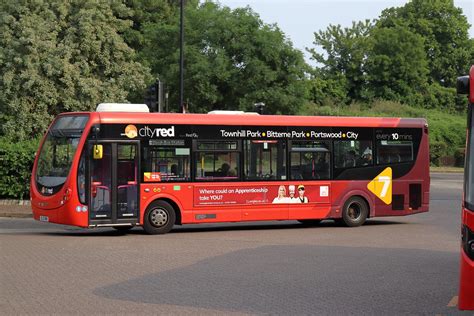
16, 163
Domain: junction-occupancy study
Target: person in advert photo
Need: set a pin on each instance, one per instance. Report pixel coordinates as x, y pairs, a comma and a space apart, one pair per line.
292, 191
301, 197
281, 198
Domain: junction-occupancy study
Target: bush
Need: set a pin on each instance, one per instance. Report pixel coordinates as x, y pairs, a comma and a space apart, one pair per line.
448, 130
437, 151
440, 98
16, 163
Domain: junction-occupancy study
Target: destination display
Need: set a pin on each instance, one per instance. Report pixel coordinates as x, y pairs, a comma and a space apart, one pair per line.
163, 132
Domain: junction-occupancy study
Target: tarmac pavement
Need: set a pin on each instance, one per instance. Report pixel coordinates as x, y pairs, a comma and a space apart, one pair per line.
391, 266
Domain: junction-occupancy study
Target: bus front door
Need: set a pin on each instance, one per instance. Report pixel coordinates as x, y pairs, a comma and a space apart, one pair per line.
113, 183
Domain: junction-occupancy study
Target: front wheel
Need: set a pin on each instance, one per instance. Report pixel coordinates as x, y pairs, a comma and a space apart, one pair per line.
159, 218
355, 212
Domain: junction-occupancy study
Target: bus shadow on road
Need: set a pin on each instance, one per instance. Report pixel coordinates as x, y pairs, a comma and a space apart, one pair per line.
220, 227
272, 226
299, 279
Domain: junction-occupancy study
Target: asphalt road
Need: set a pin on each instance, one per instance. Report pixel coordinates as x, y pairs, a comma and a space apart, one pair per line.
396, 265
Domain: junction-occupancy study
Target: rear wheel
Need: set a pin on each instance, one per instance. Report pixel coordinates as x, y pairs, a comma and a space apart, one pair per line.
159, 218
355, 212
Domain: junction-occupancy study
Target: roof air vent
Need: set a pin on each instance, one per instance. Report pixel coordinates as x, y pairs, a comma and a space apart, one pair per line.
122, 107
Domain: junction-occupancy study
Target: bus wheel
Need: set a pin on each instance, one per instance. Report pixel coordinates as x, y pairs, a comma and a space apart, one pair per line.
159, 218
355, 212
309, 222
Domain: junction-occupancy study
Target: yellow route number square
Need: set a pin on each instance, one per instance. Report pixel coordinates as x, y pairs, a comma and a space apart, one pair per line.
381, 186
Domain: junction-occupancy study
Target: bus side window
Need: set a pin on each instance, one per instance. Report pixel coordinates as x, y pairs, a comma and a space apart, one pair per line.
264, 160
352, 153
217, 160
394, 151
310, 160
172, 163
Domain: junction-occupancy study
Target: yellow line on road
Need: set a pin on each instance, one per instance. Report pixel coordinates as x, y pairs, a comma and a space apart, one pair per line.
453, 302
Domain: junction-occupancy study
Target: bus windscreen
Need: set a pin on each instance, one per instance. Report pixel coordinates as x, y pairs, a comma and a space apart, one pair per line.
57, 153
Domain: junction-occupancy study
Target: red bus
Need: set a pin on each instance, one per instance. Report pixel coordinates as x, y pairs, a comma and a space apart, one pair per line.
466, 291
155, 170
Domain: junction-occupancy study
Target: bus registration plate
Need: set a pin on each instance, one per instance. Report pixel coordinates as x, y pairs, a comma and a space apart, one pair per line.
44, 218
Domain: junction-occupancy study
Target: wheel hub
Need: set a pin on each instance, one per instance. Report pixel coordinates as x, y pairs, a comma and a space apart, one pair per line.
158, 217
354, 211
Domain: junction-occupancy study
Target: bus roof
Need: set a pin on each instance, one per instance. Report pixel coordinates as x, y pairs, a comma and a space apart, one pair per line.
249, 120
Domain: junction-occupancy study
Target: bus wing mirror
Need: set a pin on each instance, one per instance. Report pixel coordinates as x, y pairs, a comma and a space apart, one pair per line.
462, 85
98, 151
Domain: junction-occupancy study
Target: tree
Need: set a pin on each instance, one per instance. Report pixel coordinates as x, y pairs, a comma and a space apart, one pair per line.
326, 89
344, 55
232, 60
444, 28
144, 13
58, 56
396, 65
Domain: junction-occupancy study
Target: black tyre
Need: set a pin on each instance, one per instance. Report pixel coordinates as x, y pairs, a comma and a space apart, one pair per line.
309, 222
159, 218
355, 212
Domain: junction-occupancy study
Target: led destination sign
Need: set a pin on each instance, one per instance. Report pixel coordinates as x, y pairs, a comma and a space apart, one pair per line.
159, 131
289, 134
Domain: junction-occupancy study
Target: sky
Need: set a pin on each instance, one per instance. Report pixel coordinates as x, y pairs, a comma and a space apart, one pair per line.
299, 19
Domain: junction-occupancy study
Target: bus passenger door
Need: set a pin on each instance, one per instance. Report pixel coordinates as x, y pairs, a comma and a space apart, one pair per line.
127, 181
100, 181
113, 182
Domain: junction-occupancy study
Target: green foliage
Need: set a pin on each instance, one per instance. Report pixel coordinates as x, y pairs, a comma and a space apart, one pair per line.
323, 89
143, 13
447, 135
411, 54
439, 97
396, 65
16, 163
444, 29
345, 52
232, 60
58, 56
